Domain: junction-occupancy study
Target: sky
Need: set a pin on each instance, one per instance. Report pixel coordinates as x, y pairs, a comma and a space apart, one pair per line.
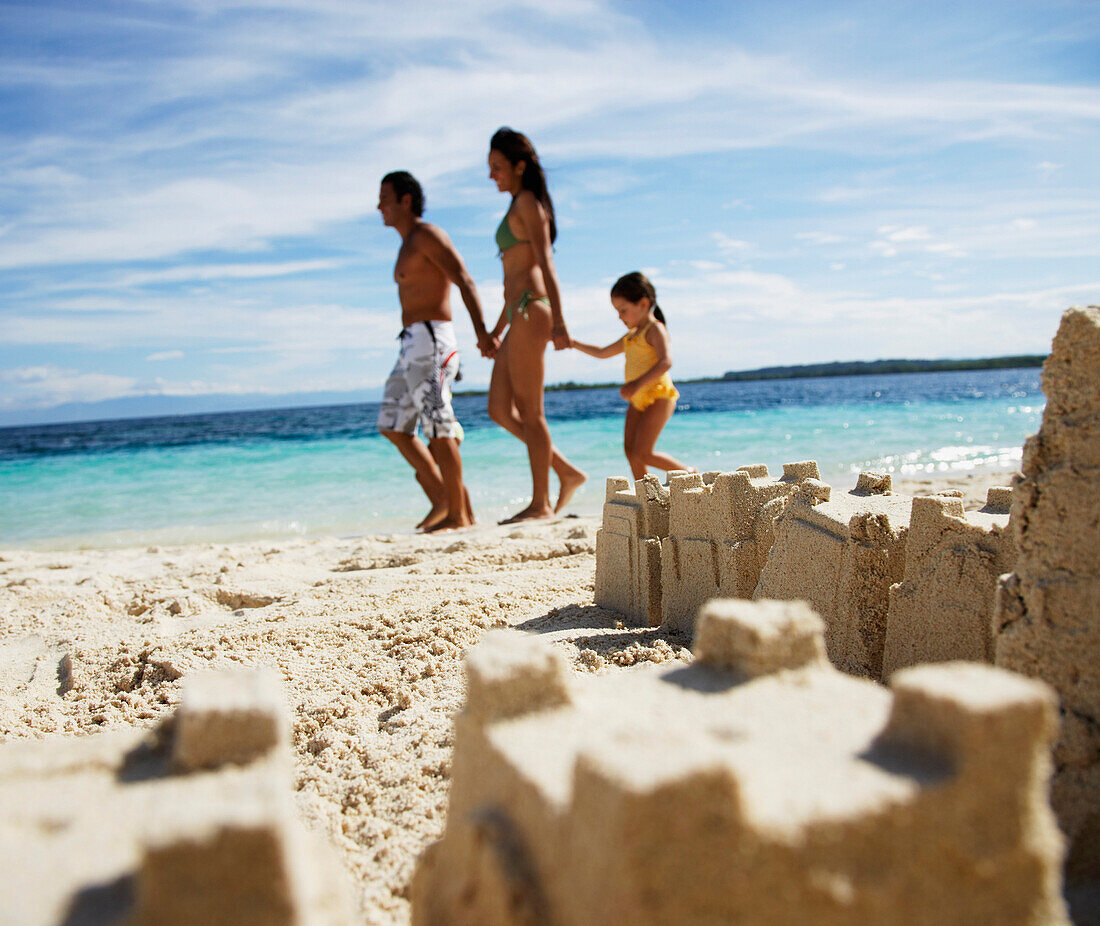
188, 188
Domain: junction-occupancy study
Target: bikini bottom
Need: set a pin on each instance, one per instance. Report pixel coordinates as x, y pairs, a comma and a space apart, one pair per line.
525, 299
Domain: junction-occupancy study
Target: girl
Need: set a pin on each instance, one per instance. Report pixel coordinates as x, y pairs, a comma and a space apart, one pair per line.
648, 387
532, 316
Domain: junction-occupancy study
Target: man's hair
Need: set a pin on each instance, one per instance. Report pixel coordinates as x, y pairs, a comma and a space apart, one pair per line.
405, 184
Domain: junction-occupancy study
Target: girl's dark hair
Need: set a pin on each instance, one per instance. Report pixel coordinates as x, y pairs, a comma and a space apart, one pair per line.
633, 286
516, 147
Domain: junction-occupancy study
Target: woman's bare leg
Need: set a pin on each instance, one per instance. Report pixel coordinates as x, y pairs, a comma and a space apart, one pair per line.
527, 340
503, 410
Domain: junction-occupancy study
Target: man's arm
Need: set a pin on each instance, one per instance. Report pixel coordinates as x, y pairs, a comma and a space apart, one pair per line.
438, 248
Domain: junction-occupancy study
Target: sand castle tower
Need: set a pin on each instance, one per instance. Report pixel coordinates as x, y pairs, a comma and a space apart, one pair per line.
758, 784
628, 549
193, 823
841, 552
720, 529
943, 608
1047, 622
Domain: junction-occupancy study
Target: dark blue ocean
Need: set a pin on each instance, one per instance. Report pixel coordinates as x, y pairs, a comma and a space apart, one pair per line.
314, 471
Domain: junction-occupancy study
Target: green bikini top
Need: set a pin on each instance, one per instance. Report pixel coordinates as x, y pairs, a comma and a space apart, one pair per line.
505, 238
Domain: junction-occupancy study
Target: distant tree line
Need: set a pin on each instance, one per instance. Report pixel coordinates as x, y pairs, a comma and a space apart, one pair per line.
879, 367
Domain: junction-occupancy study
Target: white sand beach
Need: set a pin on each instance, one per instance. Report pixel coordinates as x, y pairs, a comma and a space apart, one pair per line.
367, 633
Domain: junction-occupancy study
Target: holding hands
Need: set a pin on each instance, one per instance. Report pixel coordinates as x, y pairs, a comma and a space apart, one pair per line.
488, 343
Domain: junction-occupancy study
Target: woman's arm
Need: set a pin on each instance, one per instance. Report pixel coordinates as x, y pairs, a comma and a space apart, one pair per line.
600, 353
537, 227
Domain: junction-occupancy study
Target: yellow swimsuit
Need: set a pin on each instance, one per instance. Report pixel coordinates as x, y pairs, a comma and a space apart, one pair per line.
640, 357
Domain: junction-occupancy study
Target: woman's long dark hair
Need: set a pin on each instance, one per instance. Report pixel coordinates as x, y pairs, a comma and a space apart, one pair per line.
516, 147
633, 286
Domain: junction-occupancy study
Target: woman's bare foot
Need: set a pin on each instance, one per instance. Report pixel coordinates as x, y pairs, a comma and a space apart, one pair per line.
433, 517
450, 524
530, 513
571, 480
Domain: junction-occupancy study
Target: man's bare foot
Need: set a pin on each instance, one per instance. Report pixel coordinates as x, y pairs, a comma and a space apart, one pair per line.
530, 513
570, 482
433, 517
450, 524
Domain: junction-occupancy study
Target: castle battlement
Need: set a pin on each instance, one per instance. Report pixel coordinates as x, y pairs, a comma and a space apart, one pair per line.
756, 784
943, 608
841, 552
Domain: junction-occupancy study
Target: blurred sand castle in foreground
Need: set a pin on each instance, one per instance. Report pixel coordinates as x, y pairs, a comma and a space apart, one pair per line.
192, 823
758, 784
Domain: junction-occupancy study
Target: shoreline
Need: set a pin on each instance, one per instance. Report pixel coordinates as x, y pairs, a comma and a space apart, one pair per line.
973, 484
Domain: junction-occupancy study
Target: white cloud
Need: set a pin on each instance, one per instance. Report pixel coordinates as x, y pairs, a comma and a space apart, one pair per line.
819, 237
913, 233
851, 194
48, 385
728, 245
1048, 169
160, 355
945, 248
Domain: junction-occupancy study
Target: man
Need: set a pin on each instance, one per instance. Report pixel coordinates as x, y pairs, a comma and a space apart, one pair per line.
418, 390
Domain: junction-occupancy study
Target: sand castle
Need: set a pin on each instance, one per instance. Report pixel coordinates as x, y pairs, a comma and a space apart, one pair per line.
841, 552
719, 534
942, 609
662, 552
192, 823
1047, 621
758, 784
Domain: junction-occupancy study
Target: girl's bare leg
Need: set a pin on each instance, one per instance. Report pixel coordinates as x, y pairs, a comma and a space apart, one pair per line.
642, 449
503, 410
630, 437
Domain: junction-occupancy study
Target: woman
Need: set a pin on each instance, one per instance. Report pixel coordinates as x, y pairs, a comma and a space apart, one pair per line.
532, 316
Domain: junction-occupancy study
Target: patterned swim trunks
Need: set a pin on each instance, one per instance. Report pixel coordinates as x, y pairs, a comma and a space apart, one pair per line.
418, 390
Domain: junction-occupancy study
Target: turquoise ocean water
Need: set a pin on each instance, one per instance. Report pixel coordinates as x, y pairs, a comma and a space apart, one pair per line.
309, 472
